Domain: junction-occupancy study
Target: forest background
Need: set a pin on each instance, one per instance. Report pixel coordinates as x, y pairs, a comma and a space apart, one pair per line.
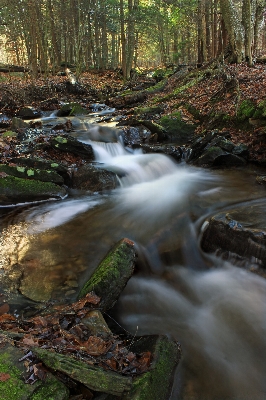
44, 35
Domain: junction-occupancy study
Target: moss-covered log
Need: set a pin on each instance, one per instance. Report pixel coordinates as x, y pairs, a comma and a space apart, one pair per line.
95, 378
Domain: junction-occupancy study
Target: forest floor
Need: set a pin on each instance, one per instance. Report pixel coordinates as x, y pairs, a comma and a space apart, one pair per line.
210, 98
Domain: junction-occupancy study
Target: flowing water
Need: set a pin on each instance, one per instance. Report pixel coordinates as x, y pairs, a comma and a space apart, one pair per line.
217, 311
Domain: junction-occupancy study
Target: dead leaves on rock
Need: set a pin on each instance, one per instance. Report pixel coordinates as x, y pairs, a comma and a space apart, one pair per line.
63, 331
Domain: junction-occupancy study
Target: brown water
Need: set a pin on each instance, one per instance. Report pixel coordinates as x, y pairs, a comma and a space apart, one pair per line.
216, 310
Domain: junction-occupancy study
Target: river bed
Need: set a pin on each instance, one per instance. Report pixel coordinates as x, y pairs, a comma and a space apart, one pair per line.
214, 309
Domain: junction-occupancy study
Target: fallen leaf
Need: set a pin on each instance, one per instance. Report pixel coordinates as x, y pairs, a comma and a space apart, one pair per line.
4, 377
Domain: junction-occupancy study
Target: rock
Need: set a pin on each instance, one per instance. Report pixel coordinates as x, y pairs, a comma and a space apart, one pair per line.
10, 134
241, 150
261, 179
32, 173
230, 232
95, 378
156, 383
216, 156
5, 121
17, 190
111, 276
69, 144
175, 152
157, 131
18, 123
70, 109
136, 135
43, 165
29, 113
89, 177
127, 100
96, 324
12, 384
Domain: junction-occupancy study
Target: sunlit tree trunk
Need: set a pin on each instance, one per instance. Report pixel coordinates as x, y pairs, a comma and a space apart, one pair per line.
201, 32
56, 54
258, 16
246, 21
33, 39
234, 30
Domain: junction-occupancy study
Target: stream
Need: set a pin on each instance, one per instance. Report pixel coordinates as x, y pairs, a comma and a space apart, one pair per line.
216, 310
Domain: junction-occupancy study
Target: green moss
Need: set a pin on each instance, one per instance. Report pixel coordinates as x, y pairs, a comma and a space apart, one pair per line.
91, 376
13, 186
61, 139
54, 165
112, 274
14, 387
30, 172
21, 169
52, 390
10, 134
156, 383
148, 110
246, 110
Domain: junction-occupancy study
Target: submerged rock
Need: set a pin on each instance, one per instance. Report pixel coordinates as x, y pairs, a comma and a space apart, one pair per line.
111, 276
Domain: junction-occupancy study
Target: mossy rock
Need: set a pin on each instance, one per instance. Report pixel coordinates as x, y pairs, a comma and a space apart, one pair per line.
177, 130
29, 113
32, 173
71, 145
17, 190
156, 383
41, 164
149, 110
10, 134
246, 110
217, 157
14, 387
111, 276
71, 109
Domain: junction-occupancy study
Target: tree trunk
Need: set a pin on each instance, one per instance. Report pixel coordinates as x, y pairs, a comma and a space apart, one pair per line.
234, 30
246, 21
